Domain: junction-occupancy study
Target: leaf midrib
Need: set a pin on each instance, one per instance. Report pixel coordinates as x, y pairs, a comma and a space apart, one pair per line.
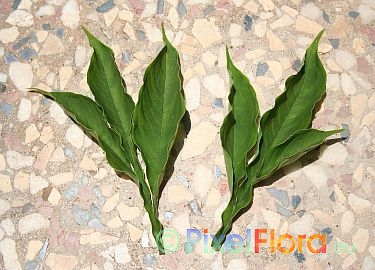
112, 98
290, 109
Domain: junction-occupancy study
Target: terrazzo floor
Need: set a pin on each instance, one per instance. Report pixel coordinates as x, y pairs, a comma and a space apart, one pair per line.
63, 207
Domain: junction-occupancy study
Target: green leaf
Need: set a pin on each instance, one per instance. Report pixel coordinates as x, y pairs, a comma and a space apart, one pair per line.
293, 109
89, 116
239, 135
120, 127
158, 113
109, 90
285, 133
239, 132
300, 143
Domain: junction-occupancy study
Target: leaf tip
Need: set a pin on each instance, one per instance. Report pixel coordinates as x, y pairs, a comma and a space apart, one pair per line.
34, 90
165, 38
229, 60
317, 39
86, 31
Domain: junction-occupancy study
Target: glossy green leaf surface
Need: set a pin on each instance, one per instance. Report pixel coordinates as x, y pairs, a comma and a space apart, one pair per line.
120, 126
158, 114
239, 131
109, 90
285, 133
90, 117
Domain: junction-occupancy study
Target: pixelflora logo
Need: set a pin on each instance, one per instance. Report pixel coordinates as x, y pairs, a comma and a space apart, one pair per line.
252, 241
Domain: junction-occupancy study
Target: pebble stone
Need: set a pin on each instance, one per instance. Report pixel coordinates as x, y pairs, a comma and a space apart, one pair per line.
280, 195
105, 7
201, 137
32, 222
10, 257
160, 7
8, 35
215, 85
311, 11
181, 9
70, 16
51, 46
61, 261
206, 32
17, 161
334, 155
335, 42
20, 18
345, 59
193, 94
37, 183
262, 68
75, 136
353, 14
296, 200
348, 85
247, 22
316, 175
21, 75
200, 187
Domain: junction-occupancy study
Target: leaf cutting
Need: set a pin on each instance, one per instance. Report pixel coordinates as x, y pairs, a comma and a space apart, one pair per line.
254, 149
122, 128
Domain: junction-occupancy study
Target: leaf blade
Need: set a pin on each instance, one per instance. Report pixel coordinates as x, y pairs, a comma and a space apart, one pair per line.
302, 142
239, 132
293, 109
109, 90
158, 113
91, 119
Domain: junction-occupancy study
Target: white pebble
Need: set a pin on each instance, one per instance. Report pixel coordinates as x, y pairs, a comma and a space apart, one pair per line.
202, 187
360, 239
235, 264
21, 75
3, 77
46, 10
122, 254
37, 183
335, 154
70, 14
345, 59
8, 35
80, 56
215, 85
316, 175
4, 206
20, 18
57, 113
2, 162
347, 84
199, 138
24, 110
75, 136
193, 94
181, 223
358, 204
366, 13
10, 258
311, 11
17, 161
206, 32
32, 222
8, 226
